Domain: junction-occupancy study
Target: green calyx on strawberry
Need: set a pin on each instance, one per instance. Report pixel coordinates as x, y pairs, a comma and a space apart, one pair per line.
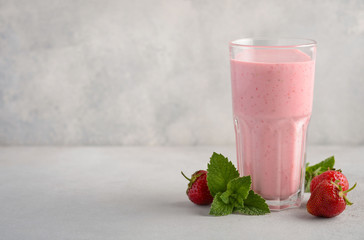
198, 191
328, 199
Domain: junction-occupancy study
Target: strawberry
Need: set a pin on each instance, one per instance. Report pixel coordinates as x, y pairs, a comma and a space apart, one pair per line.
328, 199
198, 191
331, 175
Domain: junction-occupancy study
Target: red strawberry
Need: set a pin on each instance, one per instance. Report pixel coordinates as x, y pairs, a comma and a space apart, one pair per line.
331, 175
328, 199
198, 191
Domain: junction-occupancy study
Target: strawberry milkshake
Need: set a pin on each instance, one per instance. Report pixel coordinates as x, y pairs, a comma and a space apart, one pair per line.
272, 91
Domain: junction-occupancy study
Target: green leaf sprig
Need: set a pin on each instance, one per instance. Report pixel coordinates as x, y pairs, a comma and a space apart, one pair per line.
231, 193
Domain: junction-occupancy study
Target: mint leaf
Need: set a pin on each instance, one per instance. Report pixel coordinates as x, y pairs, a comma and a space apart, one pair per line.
324, 165
317, 169
240, 186
239, 202
254, 205
219, 208
219, 173
225, 197
231, 192
237, 191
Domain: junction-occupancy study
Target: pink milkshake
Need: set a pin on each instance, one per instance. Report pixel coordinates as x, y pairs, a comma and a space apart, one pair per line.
272, 90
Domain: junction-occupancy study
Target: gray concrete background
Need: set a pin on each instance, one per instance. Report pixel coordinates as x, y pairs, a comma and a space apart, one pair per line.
157, 72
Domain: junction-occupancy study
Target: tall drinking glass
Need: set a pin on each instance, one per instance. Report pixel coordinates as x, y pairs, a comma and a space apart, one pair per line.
272, 88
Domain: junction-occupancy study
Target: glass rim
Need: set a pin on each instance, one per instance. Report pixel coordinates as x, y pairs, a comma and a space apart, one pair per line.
300, 42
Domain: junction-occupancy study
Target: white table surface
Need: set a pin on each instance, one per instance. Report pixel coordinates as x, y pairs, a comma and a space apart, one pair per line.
138, 193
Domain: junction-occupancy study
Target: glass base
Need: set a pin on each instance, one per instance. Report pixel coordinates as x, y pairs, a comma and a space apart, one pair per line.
294, 201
